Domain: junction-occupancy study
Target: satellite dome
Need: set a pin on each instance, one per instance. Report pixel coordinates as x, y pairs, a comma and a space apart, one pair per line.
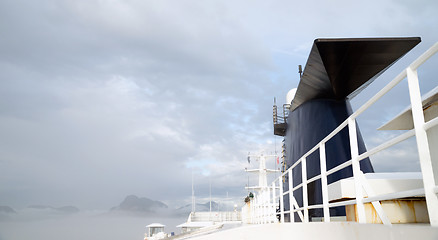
290, 95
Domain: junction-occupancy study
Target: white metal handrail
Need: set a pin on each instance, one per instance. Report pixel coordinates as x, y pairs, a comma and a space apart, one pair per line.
430, 189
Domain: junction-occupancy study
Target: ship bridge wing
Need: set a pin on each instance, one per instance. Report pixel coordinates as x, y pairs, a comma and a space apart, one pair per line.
341, 68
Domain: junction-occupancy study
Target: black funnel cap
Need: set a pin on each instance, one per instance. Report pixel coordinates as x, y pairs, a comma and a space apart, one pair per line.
341, 68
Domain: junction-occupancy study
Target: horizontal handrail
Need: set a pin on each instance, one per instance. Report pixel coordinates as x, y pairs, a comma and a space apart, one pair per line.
388, 144
339, 167
424, 57
314, 179
297, 187
342, 203
380, 94
296, 163
430, 124
396, 195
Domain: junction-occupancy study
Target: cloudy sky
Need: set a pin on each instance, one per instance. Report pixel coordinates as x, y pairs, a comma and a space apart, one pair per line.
100, 99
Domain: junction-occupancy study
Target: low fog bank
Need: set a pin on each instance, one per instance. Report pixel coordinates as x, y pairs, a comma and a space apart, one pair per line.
126, 221
84, 225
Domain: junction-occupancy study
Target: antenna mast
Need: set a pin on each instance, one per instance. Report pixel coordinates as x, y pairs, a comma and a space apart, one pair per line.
300, 70
193, 196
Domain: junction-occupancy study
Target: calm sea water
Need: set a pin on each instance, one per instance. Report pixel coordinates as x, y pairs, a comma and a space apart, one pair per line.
83, 227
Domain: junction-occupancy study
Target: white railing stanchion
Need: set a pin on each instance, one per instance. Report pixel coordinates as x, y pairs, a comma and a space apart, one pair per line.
304, 182
354, 148
324, 188
264, 206
253, 209
291, 195
268, 205
423, 146
274, 205
254, 215
257, 210
281, 200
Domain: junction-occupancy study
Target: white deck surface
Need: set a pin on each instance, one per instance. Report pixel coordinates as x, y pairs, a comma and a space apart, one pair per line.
326, 231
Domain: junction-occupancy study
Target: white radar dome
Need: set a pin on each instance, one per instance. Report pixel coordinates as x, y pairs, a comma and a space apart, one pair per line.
290, 95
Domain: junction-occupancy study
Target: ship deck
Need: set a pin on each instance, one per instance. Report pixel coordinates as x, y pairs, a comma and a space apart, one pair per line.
320, 230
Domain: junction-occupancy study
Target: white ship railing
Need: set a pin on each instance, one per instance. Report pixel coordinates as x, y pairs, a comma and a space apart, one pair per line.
262, 209
231, 216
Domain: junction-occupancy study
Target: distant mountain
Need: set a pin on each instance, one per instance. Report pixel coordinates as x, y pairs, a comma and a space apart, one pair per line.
200, 207
65, 209
206, 206
135, 204
68, 209
6, 209
41, 207
35, 212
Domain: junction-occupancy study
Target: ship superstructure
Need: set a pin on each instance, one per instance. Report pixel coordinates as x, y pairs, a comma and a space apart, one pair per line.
336, 71
327, 175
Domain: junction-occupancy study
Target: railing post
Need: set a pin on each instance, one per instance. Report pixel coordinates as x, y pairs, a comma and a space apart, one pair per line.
259, 206
423, 146
291, 195
281, 201
263, 206
260, 200
324, 188
257, 210
305, 197
266, 204
356, 170
274, 209
252, 210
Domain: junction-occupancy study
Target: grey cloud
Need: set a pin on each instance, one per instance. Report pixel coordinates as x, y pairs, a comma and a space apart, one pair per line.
99, 100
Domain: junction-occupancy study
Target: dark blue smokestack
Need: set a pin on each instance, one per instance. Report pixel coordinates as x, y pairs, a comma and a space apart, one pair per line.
336, 70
